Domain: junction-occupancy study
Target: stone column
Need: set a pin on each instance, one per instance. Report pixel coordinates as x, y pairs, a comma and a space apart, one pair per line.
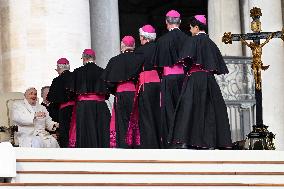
35, 33
1, 65
245, 23
105, 29
272, 79
283, 10
224, 16
105, 32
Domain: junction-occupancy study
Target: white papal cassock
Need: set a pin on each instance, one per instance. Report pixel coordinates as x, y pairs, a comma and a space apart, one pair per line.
31, 131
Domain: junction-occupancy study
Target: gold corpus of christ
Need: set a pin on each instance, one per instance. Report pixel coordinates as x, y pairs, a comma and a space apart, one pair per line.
256, 47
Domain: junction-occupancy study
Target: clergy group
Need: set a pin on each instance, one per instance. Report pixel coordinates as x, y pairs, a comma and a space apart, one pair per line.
166, 96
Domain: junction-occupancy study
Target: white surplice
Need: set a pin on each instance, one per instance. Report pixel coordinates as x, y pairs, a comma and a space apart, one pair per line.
31, 131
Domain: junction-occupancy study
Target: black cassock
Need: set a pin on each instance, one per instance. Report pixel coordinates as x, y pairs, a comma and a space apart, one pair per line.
52, 109
121, 69
58, 95
167, 54
92, 115
52, 113
201, 119
149, 110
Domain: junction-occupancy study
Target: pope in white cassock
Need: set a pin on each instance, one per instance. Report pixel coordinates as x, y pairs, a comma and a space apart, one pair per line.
32, 119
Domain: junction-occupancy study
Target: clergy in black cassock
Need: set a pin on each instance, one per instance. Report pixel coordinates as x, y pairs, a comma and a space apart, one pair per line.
147, 101
59, 95
201, 119
120, 75
52, 110
91, 121
166, 56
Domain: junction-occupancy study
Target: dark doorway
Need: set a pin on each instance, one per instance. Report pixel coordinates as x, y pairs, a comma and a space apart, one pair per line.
133, 14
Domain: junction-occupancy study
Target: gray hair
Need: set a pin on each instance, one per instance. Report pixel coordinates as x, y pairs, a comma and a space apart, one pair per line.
173, 20
147, 38
63, 66
123, 47
89, 56
42, 89
146, 35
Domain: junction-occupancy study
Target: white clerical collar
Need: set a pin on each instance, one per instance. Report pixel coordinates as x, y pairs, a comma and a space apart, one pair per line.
29, 107
201, 32
89, 62
173, 28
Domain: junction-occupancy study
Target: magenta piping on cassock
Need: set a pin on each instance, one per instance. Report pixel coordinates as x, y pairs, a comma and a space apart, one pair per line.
65, 104
72, 130
198, 68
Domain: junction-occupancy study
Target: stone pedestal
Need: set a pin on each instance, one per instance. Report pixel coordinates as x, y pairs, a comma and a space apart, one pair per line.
7, 161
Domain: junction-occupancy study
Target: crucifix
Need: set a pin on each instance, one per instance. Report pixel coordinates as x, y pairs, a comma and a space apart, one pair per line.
260, 137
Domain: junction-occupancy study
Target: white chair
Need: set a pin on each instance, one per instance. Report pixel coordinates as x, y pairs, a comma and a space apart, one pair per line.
7, 128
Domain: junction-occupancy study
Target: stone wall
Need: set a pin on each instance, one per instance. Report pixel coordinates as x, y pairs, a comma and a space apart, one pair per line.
282, 11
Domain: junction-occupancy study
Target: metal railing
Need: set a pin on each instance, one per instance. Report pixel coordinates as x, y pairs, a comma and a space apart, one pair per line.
238, 92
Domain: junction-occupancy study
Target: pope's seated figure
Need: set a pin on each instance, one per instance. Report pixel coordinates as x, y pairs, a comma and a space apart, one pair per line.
32, 119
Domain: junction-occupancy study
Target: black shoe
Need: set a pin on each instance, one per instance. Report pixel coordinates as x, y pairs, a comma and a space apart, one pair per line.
179, 146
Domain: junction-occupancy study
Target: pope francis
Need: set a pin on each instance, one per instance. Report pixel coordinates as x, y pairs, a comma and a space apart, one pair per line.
32, 120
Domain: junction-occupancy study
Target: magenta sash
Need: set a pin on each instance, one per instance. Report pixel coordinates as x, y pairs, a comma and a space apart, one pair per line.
65, 104
172, 70
72, 131
121, 87
125, 86
148, 77
91, 96
196, 68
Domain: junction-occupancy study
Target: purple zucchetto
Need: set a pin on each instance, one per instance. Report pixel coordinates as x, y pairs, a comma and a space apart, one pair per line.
63, 63
148, 31
128, 41
201, 18
89, 52
173, 14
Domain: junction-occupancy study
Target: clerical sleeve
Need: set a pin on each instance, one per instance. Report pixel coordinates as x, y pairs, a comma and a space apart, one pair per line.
51, 96
49, 123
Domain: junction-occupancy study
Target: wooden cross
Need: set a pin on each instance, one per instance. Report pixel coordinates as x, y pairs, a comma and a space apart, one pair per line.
256, 48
